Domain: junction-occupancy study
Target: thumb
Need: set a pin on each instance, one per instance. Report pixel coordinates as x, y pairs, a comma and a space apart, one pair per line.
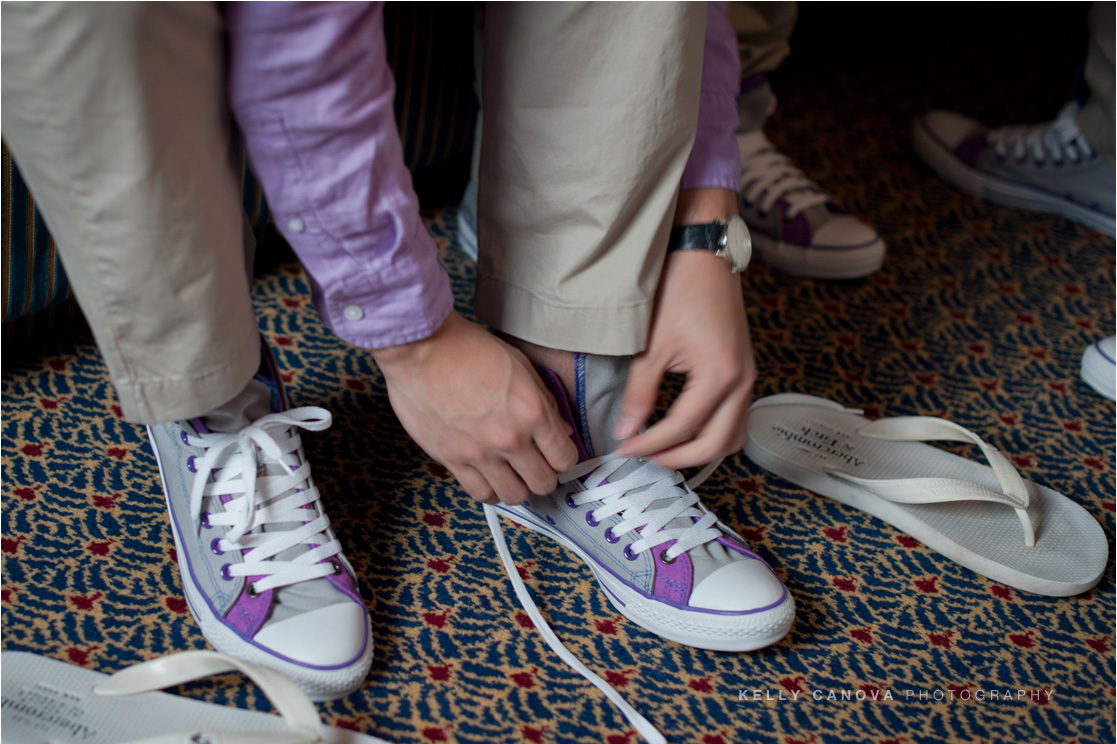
641, 392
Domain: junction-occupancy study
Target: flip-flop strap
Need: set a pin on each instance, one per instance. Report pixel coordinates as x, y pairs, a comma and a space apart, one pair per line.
1014, 492
303, 723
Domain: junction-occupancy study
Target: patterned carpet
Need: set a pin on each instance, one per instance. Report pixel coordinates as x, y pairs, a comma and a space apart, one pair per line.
979, 315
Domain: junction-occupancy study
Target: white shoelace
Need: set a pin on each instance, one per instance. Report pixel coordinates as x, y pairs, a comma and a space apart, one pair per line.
768, 176
1059, 140
259, 501
657, 483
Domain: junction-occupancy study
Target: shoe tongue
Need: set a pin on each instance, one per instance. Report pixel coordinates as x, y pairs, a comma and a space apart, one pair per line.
749, 144
257, 400
599, 383
254, 401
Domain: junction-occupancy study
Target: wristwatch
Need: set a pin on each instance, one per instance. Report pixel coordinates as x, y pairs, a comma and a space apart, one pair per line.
728, 239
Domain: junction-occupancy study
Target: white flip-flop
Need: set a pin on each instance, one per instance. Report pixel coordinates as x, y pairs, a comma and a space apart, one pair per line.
987, 518
45, 700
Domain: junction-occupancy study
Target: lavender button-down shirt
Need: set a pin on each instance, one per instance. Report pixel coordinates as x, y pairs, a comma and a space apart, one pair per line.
311, 89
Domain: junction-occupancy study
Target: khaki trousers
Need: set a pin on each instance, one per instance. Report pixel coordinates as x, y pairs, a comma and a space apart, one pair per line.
590, 111
117, 118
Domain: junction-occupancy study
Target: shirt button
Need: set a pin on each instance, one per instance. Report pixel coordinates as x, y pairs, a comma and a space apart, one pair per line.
296, 225
352, 312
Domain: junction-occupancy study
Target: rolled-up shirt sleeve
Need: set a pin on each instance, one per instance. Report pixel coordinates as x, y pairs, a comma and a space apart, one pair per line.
312, 93
714, 160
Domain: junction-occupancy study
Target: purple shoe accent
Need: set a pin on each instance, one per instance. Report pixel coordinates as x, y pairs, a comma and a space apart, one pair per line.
248, 613
672, 580
739, 547
570, 501
345, 583
970, 148
554, 385
798, 230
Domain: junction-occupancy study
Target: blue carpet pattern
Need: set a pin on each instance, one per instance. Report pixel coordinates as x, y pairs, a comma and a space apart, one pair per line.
979, 315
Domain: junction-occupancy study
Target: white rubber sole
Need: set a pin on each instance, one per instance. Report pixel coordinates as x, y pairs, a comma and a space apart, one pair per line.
799, 438
712, 631
972, 181
819, 263
1099, 371
319, 685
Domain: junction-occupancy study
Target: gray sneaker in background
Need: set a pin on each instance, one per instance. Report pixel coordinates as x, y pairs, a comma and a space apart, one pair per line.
1049, 167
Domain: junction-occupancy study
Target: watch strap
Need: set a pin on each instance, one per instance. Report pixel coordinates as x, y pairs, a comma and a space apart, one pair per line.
706, 237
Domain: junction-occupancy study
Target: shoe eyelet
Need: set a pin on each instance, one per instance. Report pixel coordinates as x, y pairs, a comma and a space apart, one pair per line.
190, 464
205, 521
250, 590
628, 552
225, 572
609, 536
665, 560
183, 436
570, 502
215, 546
336, 568
590, 520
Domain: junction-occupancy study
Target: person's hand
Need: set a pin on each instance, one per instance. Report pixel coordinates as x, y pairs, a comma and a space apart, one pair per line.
699, 328
474, 404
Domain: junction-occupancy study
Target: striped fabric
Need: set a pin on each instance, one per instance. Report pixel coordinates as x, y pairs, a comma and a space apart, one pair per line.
33, 278
430, 48
32, 275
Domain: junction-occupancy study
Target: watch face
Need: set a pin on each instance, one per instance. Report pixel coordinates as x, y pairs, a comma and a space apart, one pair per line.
738, 243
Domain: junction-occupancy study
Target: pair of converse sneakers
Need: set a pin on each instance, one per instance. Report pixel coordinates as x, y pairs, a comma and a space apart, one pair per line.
266, 579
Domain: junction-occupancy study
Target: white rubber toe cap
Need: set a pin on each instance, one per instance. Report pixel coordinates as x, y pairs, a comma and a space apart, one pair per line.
844, 231
1098, 364
738, 587
950, 128
329, 636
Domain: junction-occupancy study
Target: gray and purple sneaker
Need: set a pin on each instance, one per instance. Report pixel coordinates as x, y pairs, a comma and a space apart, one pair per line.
1050, 167
796, 227
664, 561
262, 571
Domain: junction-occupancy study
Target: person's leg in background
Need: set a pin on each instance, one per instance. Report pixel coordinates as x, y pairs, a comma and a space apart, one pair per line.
1096, 121
116, 117
797, 228
1065, 166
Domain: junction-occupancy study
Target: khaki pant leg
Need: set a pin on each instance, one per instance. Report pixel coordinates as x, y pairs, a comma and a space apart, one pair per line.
763, 34
116, 116
590, 113
1096, 119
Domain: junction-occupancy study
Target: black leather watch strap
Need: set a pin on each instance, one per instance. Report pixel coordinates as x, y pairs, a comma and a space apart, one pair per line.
706, 237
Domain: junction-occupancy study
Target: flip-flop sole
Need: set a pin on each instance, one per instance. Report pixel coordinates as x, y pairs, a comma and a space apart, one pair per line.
802, 438
46, 700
